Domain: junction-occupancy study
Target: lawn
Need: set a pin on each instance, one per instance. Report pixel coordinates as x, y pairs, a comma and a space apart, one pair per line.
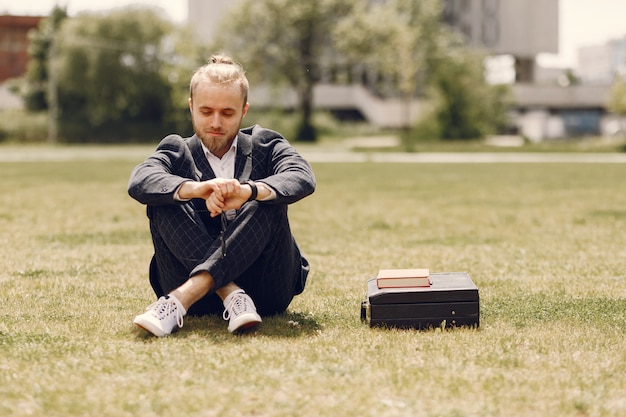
544, 243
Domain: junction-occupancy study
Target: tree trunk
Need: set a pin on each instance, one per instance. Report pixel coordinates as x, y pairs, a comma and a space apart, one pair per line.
306, 131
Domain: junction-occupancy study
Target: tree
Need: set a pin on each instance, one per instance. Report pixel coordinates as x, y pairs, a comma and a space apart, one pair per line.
110, 75
395, 38
189, 53
406, 41
616, 103
36, 79
285, 41
465, 106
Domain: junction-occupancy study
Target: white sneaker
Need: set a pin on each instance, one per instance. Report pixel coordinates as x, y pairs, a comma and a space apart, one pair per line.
240, 312
162, 316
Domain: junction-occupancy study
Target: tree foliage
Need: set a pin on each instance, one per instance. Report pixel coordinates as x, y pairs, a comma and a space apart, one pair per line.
464, 105
394, 38
405, 40
35, 93
110, 74
190, 53
285, 41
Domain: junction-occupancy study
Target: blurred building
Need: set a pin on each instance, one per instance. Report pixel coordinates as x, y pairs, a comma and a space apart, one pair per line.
14, 44
519, 28
598, 64
547, 104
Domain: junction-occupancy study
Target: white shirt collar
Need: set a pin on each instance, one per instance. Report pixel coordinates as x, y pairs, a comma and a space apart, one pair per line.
222, 167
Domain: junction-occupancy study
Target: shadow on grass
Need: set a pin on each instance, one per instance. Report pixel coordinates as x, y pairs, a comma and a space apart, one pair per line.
213, 327
289, 324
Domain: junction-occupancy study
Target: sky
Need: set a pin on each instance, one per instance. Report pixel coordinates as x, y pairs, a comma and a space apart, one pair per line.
581, 22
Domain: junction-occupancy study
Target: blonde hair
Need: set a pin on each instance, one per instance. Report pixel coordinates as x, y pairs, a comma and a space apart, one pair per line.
221, 69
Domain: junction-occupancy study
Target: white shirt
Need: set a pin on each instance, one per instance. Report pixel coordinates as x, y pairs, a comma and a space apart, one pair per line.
223, 167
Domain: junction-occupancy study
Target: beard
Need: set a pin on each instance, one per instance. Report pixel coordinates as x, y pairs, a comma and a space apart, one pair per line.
217, 142
214, 143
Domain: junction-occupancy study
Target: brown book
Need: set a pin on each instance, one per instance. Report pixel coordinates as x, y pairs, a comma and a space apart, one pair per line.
402, 278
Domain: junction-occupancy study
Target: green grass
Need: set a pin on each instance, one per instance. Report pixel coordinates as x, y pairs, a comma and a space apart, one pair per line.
545, 244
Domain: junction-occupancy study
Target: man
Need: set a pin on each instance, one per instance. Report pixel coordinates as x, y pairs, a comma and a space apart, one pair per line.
217, 205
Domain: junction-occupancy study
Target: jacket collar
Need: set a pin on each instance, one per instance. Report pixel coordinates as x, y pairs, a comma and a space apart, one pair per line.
203, 168
244, 151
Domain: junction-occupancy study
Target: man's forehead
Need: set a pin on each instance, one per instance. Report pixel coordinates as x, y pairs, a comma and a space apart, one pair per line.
213, 92
226, 87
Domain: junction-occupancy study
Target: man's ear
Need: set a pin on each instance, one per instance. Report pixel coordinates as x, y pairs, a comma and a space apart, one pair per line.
245, 109
190, 105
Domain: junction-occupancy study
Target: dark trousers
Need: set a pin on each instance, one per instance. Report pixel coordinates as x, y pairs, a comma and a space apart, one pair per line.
261, 255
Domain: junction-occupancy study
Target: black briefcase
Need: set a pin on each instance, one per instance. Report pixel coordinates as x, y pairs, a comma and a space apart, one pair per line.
450, 301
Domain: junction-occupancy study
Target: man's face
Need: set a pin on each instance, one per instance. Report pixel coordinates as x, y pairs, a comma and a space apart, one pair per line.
217, 112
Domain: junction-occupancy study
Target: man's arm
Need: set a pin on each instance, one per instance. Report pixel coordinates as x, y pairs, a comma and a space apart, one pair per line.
282, 169
155, 180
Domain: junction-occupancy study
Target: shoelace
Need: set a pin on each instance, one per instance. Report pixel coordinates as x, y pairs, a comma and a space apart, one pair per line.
163, 307
238, 305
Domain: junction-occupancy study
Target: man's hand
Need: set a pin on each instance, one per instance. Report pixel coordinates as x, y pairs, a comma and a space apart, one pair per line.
198, 189
232, 196
220, 194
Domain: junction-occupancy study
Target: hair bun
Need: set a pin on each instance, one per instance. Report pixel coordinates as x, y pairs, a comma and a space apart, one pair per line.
221, 59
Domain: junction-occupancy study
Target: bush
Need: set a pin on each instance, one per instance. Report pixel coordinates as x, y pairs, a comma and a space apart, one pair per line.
284, 122
21, 126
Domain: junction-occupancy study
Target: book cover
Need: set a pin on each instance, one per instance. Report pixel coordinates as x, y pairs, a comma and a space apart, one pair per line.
403, 278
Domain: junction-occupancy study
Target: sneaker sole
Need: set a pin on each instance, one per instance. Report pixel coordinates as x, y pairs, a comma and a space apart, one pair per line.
152, 330
247, 326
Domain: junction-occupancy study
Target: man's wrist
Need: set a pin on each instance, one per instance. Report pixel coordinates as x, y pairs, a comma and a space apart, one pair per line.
254, 190
265, 192
183, 192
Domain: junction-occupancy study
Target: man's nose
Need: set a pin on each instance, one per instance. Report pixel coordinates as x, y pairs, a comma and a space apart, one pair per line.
216, 120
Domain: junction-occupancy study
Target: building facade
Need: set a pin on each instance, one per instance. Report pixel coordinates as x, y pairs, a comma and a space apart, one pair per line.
598, 64
14, 44
520, 28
